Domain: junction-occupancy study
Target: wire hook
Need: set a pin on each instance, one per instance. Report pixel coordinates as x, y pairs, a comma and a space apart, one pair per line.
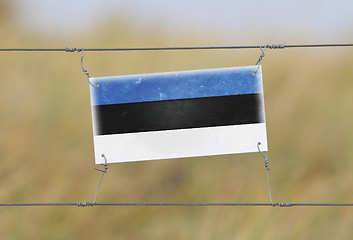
260, 59
85, 71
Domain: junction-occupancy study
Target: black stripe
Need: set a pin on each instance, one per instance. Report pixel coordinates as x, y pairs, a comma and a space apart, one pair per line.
178, 114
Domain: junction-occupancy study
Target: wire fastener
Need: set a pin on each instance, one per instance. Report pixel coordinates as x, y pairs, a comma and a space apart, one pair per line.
260, 59
84, 204
263, 49
68, 49
285, 204
85, 71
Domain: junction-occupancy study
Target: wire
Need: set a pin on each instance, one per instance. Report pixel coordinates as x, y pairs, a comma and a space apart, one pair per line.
273, 46
35, 204
86, 204
263, 154
103, 172
285, 204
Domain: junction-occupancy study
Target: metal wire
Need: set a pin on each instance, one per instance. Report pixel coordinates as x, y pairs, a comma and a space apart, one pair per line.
82, 67
35, 204
271, 46
263, 154
85, 204
271, 204
103, 172
259, 61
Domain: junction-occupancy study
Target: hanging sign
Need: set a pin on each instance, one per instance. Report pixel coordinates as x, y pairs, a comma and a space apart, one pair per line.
178, 114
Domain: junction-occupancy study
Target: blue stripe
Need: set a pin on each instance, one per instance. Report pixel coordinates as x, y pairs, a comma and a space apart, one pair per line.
176, 85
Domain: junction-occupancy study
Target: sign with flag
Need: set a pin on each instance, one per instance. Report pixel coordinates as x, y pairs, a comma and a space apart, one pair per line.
178, 114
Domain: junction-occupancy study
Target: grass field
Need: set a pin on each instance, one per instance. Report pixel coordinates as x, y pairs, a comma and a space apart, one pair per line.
46, 146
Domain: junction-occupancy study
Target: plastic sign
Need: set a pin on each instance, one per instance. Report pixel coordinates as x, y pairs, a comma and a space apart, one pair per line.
178, 114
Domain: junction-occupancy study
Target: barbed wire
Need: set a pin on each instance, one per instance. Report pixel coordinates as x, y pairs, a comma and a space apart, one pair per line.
270, 46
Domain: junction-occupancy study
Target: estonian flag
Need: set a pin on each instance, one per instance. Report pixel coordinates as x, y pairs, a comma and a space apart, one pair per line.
178, 114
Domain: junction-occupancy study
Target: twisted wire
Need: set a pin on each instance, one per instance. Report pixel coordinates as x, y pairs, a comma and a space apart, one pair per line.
263, 154
82, 67
103, 172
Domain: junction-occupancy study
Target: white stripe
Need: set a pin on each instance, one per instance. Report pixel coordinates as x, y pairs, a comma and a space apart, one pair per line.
180, 143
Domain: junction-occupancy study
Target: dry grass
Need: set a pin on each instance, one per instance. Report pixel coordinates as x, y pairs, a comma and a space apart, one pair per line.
47, 149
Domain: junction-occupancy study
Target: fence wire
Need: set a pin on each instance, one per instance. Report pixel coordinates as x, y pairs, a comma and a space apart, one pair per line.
89, 204
268, 46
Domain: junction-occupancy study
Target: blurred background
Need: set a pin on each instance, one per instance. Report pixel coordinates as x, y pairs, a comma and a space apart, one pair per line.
46, 141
